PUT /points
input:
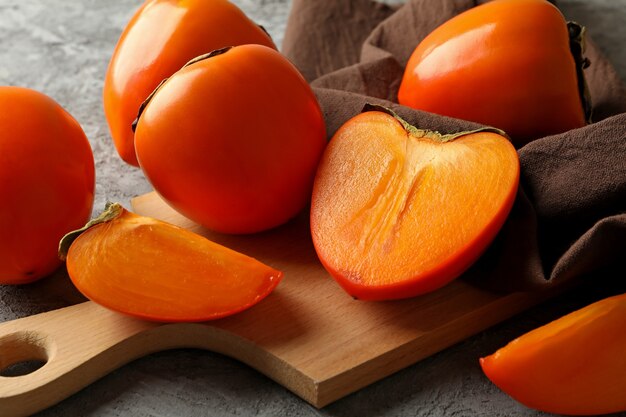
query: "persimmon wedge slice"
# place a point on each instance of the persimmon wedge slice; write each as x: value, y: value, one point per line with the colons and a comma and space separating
x: 397, y: 211
x: 154, y: 270
x: 575, y: 365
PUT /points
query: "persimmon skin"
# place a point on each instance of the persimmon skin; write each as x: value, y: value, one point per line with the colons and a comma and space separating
x: 394, y: 216
x: 574, y: 365
x: 159, y: 39
x: 506, y: 63
x: 146, y: 268
x: 47, y: 180
x: 232, y: 141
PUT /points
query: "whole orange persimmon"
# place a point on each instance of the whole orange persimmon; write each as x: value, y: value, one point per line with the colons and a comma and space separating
x: 159, y: 39
x: 506, y: 63
x: 233, y: 139
x: 47, y: 181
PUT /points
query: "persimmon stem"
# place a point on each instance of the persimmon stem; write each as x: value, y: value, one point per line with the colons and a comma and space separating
x: 211, y: 54
x: 143, y: 105
x: 429, y: 134
x: 111, y: 211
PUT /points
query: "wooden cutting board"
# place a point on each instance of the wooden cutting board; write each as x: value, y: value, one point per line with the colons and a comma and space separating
x: 308, y: 335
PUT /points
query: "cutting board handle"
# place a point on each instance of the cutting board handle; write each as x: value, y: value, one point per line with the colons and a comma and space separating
x: 82, y: 343
x: 78, y: 345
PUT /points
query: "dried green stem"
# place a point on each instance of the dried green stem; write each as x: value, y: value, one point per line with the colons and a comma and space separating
x: 430, y: 134
x: 111, y: 211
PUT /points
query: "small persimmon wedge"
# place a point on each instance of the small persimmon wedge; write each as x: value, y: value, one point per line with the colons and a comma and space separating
x: 157, y: 271
x: 397, y: 211
x: 575, y: 365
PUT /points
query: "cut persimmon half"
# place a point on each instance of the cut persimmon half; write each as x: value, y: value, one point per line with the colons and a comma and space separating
x: 397, y: 211
x: 157, y: 271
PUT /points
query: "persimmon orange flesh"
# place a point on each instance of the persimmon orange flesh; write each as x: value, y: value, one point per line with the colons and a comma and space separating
x: 398, y: 211
x: 153, y: 270
x: 575, y: 365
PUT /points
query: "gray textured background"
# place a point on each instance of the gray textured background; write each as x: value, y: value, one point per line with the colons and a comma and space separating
x: 61, y: 48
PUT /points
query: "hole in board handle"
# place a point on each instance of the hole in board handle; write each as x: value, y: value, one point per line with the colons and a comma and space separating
x: 22, y: 353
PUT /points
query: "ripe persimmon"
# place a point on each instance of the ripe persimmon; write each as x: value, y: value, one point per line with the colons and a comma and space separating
x: 233, y: 139
x: 47, y: 180
x: 397, y: 211
x: 159, y: 39
x: 574, y: 365
x: 505, y: 63
x: 154, y: 270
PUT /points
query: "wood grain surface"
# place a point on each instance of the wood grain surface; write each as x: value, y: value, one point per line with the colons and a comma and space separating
x: 308, y: 335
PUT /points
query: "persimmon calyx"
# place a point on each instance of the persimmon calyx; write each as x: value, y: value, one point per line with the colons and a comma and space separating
x: 577, y: 35
x: 266, y: 32
x: 211, y: 54
x: 430, y: 134
x: 111, y: 211
x: 199, y: 58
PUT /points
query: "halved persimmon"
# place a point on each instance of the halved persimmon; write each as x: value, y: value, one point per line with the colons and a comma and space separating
x: 575, y: 365
x: 397, y: 211
x: 154, y: 270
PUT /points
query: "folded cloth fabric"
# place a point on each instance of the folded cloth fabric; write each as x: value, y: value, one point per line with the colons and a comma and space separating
x: 569, y: 219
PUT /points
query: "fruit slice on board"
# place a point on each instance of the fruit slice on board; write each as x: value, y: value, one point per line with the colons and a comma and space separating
x: 153, y: 270
x: 575, y: 365
x: 397, y: 211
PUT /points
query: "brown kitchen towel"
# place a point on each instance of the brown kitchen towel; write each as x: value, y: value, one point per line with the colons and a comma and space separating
x: 569, y: 219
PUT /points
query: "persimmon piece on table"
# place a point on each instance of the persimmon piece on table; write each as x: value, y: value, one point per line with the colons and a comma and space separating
x: 398, y: 211
x: 575, y: 365
x: 153, y: 270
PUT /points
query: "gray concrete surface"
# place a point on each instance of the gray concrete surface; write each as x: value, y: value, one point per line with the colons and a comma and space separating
x: 62, y: 47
